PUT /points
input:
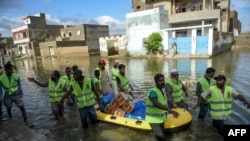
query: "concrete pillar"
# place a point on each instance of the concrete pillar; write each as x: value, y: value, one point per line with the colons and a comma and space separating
x: 210, y: 40
x: 173, y: 7
x: 204, y: 5
x: 202, y: 29
x: 165, y: 40
x: 173, y: 34
x: 193, y: 42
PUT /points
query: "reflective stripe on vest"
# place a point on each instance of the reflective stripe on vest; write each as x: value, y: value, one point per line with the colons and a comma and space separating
x: 115, y: 73
x: 154, y: 114
x: 10, y: 86
x: 67, y: 80
x: 85, y: 96
x: 177, y: 92
x: 100, y: 86
x: 124, y: 83
x: 204, y: 83
x: 220, y: 104
x: 56, y: 91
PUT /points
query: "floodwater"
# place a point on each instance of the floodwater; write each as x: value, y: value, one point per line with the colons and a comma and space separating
x: 234, y: 64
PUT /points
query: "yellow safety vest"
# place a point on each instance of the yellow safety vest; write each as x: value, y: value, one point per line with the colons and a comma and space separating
x: 85, y: 96
x: 154, y: 114
x: 10, y: 86
x: 221, y: 104
x: 177, y: 92
x: 56, y: 91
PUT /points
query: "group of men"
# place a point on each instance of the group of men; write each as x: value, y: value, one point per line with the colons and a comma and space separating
x: 85, y: 91
x: 212, y: 92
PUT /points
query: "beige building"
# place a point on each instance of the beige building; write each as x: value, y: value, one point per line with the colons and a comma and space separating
x: 235, y: 24
x: 183, y: 13
x: 80, y: 40
x: 34, y: 30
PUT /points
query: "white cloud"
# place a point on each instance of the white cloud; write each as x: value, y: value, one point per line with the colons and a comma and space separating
x: 7, y: 22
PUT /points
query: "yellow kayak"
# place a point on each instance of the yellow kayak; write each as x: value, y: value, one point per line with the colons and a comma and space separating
x: 171, y: 124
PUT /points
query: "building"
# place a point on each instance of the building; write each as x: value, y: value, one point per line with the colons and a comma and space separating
x: 34, y: 30
x: 113, y: 45
x: 6, y: 49
x: 198, y: 27
x: 235, y: 24
x: 80, y: 40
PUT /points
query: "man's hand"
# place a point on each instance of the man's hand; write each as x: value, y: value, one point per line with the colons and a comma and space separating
x: 175, y: 114
x: 31, y: 79
x: 195, y: 106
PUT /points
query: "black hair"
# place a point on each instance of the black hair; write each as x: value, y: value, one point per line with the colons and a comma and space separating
x: 158, y: 76
x: 97, y: 73
x: 8, y: 65
x: 210, y: 70
x: 74, y: 67
x: 121, y: 66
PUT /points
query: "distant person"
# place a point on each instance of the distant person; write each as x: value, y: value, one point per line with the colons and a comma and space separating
x: 174, y: 49
x: 97, y: 83
x: 13, y: 93
x: 220, y: 98
x: 104, y: 77
x: 1, y: 98
x: 156, y: 107
x: 85, y: 93
x: 123, y: 82
x: 114, y: 73
x: 74, y: 68
x: 68, y: 78
x: 57, y: 88
x: 175, y: 90
x: 203, y: 84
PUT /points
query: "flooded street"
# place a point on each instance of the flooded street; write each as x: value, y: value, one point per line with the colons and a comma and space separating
x: 234, y: 64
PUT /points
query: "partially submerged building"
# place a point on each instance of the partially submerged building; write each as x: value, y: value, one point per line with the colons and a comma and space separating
x: 198, y: 27
x: 34, y: 31
x: 80, y: 40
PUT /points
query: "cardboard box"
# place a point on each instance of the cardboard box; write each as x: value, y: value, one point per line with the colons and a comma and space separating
x: 119, y: 112
x: 109, y: 109
x: 120, y: 99
x: 128, y: 107
x: 126, y: 96
x: 114, y: 103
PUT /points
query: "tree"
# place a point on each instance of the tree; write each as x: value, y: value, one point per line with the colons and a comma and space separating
x: 153, y: 43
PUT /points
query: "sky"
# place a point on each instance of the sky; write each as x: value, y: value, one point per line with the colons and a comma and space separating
x: 75, y: 12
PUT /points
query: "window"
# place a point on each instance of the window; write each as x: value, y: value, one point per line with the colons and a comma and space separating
x: 181, y: 33
x: 24, y: 35
x: 70, y: 34
x: 180, y: 7
x: 138, y: 7
x: 199, y: 33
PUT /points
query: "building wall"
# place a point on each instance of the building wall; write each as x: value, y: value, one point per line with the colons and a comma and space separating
x: 242, y: 41
x: 113, y: 45
x: 140, y: 25
x: 222, y: 41
x: 63, y: 49
x: 73, y: 33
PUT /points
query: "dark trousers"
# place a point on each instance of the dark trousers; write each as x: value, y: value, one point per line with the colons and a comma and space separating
x: 158, y: 130
x: 87, y: 112
x: 203, y: 110
x: 219, y: 125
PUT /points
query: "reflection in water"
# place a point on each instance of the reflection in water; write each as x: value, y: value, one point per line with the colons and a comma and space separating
x: 235, y: 65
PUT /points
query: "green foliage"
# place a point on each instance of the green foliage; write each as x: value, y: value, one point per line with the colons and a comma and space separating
x: 153, y: 43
